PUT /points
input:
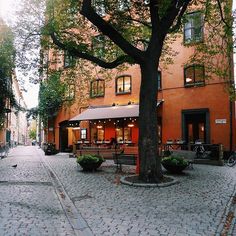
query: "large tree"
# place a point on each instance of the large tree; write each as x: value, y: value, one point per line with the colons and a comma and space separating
x: 109, y: 33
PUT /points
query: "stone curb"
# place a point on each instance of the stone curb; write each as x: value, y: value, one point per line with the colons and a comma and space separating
x: 147, y: 185
x: 230, y: 207
x: 76, y: 220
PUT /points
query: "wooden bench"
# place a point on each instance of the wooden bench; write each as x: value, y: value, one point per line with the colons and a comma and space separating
x: 127, y: 157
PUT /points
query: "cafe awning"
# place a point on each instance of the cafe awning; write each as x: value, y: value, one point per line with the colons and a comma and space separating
x: 111, y: 112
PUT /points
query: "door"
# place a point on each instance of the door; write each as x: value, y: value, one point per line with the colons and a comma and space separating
x: 195, y: 125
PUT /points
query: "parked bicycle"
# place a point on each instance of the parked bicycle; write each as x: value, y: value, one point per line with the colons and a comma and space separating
x: 232, y: 160
x: 4, y: 150
x: 200, y: 151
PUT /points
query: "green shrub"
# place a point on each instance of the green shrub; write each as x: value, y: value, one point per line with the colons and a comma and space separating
x: 89, y: 159
x: 174, y: 161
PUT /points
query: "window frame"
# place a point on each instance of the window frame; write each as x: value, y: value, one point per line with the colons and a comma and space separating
x: 97, y: 86
x: 123, y: 92
x: 69, y: 60
x: 83, y: 136
x: 193, y: 28
x: 70, y: 91
x: 194, y: 83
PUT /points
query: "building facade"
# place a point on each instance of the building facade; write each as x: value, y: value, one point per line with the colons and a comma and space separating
x: 191, y: 106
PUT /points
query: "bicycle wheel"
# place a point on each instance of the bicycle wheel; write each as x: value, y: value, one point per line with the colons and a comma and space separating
x: 232, y: 160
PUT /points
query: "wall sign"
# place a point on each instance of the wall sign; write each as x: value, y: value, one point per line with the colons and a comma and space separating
x: 220, y: 121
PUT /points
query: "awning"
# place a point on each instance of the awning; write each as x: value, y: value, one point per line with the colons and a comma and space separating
x: 112, y: 112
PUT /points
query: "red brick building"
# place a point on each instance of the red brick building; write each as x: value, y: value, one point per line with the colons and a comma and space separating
x: 190, y: 107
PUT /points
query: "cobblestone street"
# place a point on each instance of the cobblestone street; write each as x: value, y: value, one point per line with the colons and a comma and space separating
x: 50, y: 195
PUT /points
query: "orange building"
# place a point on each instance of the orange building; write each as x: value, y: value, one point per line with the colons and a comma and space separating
x: 190, y: 107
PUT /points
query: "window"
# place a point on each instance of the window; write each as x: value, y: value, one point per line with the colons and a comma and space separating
x: 70, y: 91
x: 194, y: 75
x: 69, y: 60
x: 83, y: 134
x: 97, y: 88
x: 193, y: 28
x: 159, y: 80
x: 98, y: 44
x: 123, y: 84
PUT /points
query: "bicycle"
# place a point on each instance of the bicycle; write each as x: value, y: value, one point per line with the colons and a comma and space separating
x: 232, y: 160
x: 200, y: 151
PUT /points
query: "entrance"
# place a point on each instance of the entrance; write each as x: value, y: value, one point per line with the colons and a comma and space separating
x: 63, y: 136
x: 195, y: 125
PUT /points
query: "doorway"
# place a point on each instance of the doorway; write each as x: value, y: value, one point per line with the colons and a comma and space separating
x: 196, y: 125
x: 63, y: 136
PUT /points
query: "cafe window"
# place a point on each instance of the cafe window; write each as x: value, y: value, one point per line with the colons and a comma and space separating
x: 123, y: 84
x: 123, y: 134
x: 83, y: 133
x: 194, y: 75
x: 97, y: 88
x: 193, y: 27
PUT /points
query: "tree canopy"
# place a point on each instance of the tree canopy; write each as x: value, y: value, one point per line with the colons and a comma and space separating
x: 7, y: 52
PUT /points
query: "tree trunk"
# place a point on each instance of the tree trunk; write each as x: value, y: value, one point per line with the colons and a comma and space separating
x: 150, y: 162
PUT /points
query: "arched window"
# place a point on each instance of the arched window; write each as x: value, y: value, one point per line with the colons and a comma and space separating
x: 97, y: 88
x: 123, y: 84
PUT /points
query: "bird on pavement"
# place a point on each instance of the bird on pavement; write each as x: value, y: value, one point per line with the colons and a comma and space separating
x: 14, y: 166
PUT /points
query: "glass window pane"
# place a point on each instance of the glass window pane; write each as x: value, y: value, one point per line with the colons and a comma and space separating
x: 127, y: 134
x: 127, y: 81
x: 189, y: 75
x: 199, y: 73
x: 120, y: 85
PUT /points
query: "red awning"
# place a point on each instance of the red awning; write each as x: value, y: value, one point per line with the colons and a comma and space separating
x: 111, y: 112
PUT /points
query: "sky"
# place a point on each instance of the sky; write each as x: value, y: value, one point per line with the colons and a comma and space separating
x: 7, y: 9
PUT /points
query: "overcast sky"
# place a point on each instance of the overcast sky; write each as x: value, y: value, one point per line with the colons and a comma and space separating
x: 7, y: 9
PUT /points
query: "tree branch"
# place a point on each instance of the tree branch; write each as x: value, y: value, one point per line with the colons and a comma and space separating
x: 222, y: 15
x: 88, y: 12
x: 176, y: 27
x: 172, y: 12
x: 75, y: 52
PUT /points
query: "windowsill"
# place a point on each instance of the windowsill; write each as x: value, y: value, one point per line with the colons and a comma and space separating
x: 97, y: 96
x: 193, y: 42
x: 197, y: 84
x: 122, y: 93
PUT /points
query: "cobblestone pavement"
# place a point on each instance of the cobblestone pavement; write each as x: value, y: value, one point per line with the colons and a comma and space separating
x: 200, y: 204
x: 29, y: 204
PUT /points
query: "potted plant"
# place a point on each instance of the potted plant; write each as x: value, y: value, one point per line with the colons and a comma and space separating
x: 90, y: 162
x: 50, y: 149
x: 174, y: 164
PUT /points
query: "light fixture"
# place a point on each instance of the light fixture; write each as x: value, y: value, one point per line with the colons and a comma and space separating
x: 130, y: 125
x: 188, y: 80
x: 99, y: 126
